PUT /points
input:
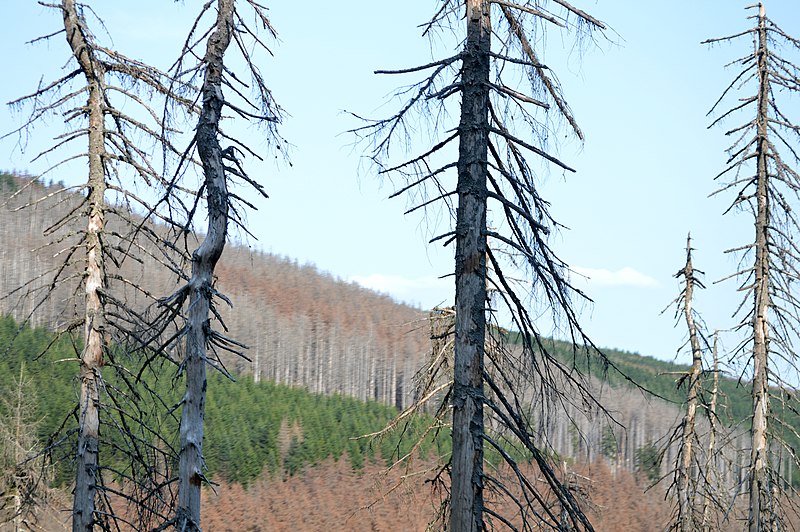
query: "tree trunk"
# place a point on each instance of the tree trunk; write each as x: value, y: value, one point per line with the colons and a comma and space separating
x: 686, y: 495
x: 711, y: 460
x: 470, y: 269
x: 94, y: 281
x: 204, y: 260
x: 759, y: 495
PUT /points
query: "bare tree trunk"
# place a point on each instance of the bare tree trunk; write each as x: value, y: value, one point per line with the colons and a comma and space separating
x: 468, y: 395
x: 686, y: 494
x: 712, y: 441
x: 92, y: 356
x: 204, y: 260
x: 21, y: 406
x: 769, y: 195
x: 511, y: 185
x: 759, y: 495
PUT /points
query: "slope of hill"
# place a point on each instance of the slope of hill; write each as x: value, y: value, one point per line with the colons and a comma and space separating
x: 306, y: 329
x: 251, y: 428
x: 285, y: 458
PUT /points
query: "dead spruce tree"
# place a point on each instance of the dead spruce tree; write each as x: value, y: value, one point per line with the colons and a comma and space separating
x: 109, y: 101
x: 491, y: 170
x: 690, y: 474
x: 766, y: 184
x: 711, y: 503
x: 221, y: 89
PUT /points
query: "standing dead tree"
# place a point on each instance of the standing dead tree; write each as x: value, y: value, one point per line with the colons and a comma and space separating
x: 109, y: 101
x: 766, y: 185
x: 491, y: 170
x: 691, y: 474
x: 710, y: 501
x: 198, y: 341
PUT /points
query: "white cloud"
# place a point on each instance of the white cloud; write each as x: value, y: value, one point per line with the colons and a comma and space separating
x: 626, y: 276
x: 429, y: 291
x: 426, y: 291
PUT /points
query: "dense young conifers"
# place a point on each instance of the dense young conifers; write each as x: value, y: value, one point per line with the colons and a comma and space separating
x: 491, y: 170
x: 766, y: 184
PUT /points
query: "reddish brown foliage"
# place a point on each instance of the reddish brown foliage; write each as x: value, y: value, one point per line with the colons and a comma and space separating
x: 620, y: 503
x: 333, y: 497
x: 328, y: 497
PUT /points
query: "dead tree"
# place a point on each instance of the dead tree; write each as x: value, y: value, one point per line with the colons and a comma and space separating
x: 197, y: 339
x: 491, y: 170
x: 116, y: 231
x: 690, y: 473
x: 713, y: 477
x: 765, y: 184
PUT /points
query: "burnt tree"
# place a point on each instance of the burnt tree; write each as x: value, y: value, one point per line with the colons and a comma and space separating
x: 497, y: 386
x: 197, y: 341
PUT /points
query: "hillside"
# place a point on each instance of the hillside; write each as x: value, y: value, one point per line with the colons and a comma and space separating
x: 286, y: 458
x: 329, y: 360
x: 251, y: 428
x: 308, y: 329
x: 304, y: 327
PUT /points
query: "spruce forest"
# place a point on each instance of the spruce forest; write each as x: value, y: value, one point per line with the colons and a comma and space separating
x: 160, y: 371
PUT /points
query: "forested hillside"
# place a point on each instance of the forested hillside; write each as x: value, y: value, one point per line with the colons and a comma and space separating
x: 308, y: 330
x: 303, y: 327
x: 305, y: 451
x: 253, y: 428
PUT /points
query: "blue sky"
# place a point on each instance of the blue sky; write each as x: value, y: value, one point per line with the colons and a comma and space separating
x: 643, y: 175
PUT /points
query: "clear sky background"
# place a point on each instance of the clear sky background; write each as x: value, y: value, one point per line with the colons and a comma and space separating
x: 643, y: 175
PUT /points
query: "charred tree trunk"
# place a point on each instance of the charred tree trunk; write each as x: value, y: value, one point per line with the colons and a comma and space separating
x: 468, y: 395
x: 487, y: 386
x: 204, y: 260
x: 759, y: 491
x: 91, y: 362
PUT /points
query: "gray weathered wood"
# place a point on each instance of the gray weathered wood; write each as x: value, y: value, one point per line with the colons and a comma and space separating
x: 759, y: 489
x: 92, y: 356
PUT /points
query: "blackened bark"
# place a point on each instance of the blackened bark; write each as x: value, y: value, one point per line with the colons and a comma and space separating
x: 204, y: 260
x: 468, y: 394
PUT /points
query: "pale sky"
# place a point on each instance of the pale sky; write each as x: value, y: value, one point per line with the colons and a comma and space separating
x: 643, y: 175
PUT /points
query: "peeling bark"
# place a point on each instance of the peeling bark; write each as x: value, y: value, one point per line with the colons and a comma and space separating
x: 685, y: 488
x: 770, y: 192
x: 92, y: 356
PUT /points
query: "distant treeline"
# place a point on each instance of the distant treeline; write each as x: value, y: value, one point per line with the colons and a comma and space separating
x: 631, y: 387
